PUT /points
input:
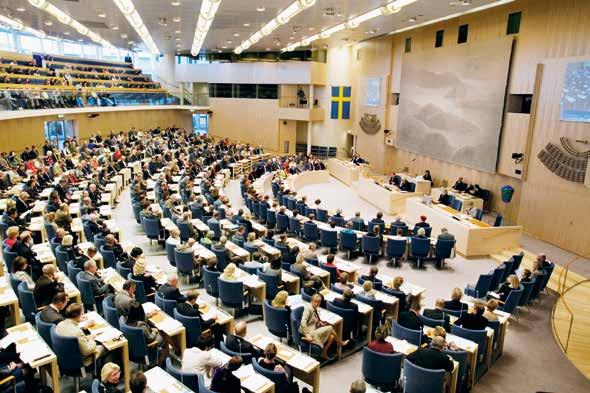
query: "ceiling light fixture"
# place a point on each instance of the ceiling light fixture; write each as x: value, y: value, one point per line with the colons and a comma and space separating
x: 66, y: 33
x: 388, y: 9
x: 102, y: 15
x: 282, y: 18
x: 128, y: 9
x: 260, y: 9
x: 177, y: 32
x: 21, y: 9
x: 206, y: 16
x: 68, y: 20
x: 123, y: 36
x: 48, y: 23
x: 246, y: 24
x: 177, y: 19
x: 16, y: 24
x: 115, y: 27
x: 175, y: 3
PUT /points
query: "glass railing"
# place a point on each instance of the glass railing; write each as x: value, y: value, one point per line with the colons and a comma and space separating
x: 298, y: 102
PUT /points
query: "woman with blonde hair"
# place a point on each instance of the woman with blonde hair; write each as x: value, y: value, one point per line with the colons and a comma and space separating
x: 511, y: 284
x: 229, y: 272
x: 491, y: 306
x: 368, y: 290
x: 280, y: 300
x: 316, y: 331
x: 149, y: 282
x: 455, y: 302
x: 109, y: 378
x: 11, y: 236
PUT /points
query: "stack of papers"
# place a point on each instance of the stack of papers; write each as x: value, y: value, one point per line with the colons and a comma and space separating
x: 401, y: 346
x: 33, y: 350
x: 328, y: 316
x: 295, y: 301
x: 108, y: 334
x: 149, y: 308
x: 250, y: 281
x: 220, y: 356
x: 301, y: 361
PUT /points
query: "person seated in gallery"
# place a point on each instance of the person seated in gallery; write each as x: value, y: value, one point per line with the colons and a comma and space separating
x: 405, y: 185
x: 444, y: 198
x: 427, y: 175
x: 460, y: 185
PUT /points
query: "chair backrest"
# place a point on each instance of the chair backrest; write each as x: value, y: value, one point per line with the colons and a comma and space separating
x: 348, y: 241
x: 339, y: 221
x: 547, y: 276
x: 110, y: 312
x: 477, y: 336
x: 122, y: 270
x: 322, y: 215
x: 527, y: 290
x: 371, y: 244
x: 348, y: 317
x: 246, y: 356
x: 271, y: 218
x: 27, y: 302
x: 44, y: 329
x: 210, y: 281
x: 184, y: 230
x: 151, y: 227
x: 136, y: 339
x: 272, y: 282
x: 457, y: 204
x: 8, y: 257
x: 108, y: 258
x: 276, y: 320
x: 330, y: 269
x: 202, y: 387
x: 231, y: 293
x: 14, y: 282
x: 507, y: 270
x: 188, y: 379
x: 192, y: 326
x: 497, y: 277
x: 48, y: 230
x: 400, y: 295
x: 381, y: 369
x: 375, y: 303
x: 395, y: 248
x: 512, y: 300
x: 411, y: 336
x: 419, y: 247
x: 98, y: 240
x: 422, y: 380
x: 461, y: 357
x: 294, y: 225
x: 216, y: 228
x: 517, y: 259
x: 73, y: 271
x: 168, y: 306
x: 328, y: 238
x: 444, y: 248
x: 184, y: 262
x: 539, y: 280
x: 431, y: 322
x: 478, y: 214
x: 68, y: 353
x: 85, y: 290
x: 221, y: 258
x: 62, y: 258
x: 87, y: 230
x: 278, y: 378
x: 282, y: 222
x: 140, y: 294
x: 483, y: 285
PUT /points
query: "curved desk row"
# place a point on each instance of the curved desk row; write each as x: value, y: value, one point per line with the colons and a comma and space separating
x: 390, y: 201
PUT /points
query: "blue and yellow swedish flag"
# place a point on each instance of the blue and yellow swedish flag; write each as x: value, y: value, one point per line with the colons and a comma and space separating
x: 341, y: 102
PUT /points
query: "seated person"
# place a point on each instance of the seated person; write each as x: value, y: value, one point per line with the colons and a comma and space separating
x: 90, y: 273
x: 438, y: 313
x: 299, y: 268
x: 445, y: 235
x: 526, y: 276
x: 20, y: 267
x: 170, y: 290
x: 431, y: 357
x: 368, y: 291
x: 135, y: 254
x: 238, y: 237
x: 511, y: 284
x: 314, y: 286
x: 311, y: 253
x: 330, y: 263
x: 316, y: 331
x: 150, y: 285
x: 174, y: 237
x: 460, y: 185
x: 229, y: 273
x: 137, y: 318
x: 439, y: 331
x: 406, y: 185
x: 372, y: 276
x: 207, y: 240
x: 269, y: 362
x: 444, y: 198
x: 410, y: 319
x: 73, y: 326
x: 358, y: 386
x: 343, y: 283
x: 420, y: 233
x: 346, y: 302
x: 125, y: 297
x: 427, y: 175
x: 53, y: 313
x: 396, y: 290
x: 187, y: 248
x: 47, y: 286
x: 236, y: 342
x: 280, y: 300
x: 422, y: 223
x: 190, y: 308
x: 273, y: 267
x: 111, y: 244
x: 455, y: 303
x: 110, y: 374
x: 473, y: 320
x: 491, y: 306
x: 379, y: 344
x: 138, y: 382
x: 224, y: 381
x: 200, y: 360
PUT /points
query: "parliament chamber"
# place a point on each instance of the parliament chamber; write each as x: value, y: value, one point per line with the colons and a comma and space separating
x: 294, y: 196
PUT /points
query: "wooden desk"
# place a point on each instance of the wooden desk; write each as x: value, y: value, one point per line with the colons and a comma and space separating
x: 346, y: 172
x: 473, y: 237
x: 390, y: 303
x: 237, y: 251
x: 35, y: 352
x: 390, y: 201
x: 120, y: 342
x: 44, y: 253
x: 305, y: 368
x: 159, y: 381
x: 407, y: 287
x: 210, y: 311
x: 468, y: 200
x: 295, y: 182
x: 364, y: 309
x: 256, y: 286
x: 267, y: 249
x: 203, y: 252
x: 9, y: 299
x: 166, y: 324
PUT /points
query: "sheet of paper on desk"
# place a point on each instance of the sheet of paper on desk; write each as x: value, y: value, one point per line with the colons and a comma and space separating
x: 220, y: 356
x: 254, y: 382
x: 295, y: 301
x: 33, y: 350
x: 168, y: 325
x: 263, y: 341
x: 461, y: 342
x: 494, y: 294
x: 301, y: 362
x: 250, y: 281
x: 149, y: 307
x: 211, y: 314
x: 328, y: 316
x: 244, y: 371
x: 108, y: 334
x: 6, y: 341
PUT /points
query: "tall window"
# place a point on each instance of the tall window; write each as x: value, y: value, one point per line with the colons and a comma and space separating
x: 58, y: 131
x: 50, y: 46
x: 111, y: 54
x: 72, y: 49
x: 438, y: 40
x: 6, y: 41
x: 30, y: 44
x: 513, y: 23
x: 408, y: 47
x: 91, y: 51
x: 463, y: 31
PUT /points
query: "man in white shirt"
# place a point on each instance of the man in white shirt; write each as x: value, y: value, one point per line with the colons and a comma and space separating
x: 199, y: 361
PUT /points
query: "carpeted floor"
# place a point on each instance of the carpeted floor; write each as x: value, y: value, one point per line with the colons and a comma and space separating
x: 531, y: 361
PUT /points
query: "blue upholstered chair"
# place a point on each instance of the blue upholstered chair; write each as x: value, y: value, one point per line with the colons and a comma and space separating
x: 188, y: 379
x: 231, y: 294
x: 210, y: 282
x: 382, y: 370
x: 192, y: 326
x: 246, y: 356
x: 276, y: 320
x: 419, y: 249
x: 371, y: 246
x: 422, y: 380
x: 411, y: 336
x: 348, y: 242
x: 395, y: 250
x: 443, y: 250
x: 481, y: 288
x: 68, y: 356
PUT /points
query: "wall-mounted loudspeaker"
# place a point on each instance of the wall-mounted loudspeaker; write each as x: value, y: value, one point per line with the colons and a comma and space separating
x: 93, y: 115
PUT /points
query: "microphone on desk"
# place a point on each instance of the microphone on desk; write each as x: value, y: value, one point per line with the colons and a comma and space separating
x: 287, y: 327
x: 240, y: 346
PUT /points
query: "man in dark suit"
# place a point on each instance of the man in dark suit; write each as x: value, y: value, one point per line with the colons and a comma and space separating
x: 47, y: 286
x: 190, y: 308
x: 99, y: 288
x: 53, y: 312
x: 346, y: 302
x: 455, y: 302
x: 444, y: 198
x: 170, y: 290
x: 372, y: 276
x: 411, y: 320
x: 460, y: 185
x: 437, y: 313
x: 473, y: 320
x: 22, y: 248
x: 432, y: 357
x: 237, y: 343
x: 10, y: 218
x: 111, y: 244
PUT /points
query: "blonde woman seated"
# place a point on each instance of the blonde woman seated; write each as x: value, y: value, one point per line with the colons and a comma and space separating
x: 316, y: 331
x: 440, y: 331
x: 368, y: 291
x: 491, y: 306
x: 280, y: 300
x: 342, y: 283
x: 511, y: 284
x: 229, y: 273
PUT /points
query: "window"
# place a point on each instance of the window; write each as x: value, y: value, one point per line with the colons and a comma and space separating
x: 408, y: 48
x: 60, y: 130
x: 110, y: 54
x: 513, y: 23
x: 246, y: 91
x: 90, y: 51
x: 72, y: 49
x: 463, y: 30
x: 201, y: 124
x: 438, y: 40
x: 50, y: 46
x: 6, y: 41
x: 30, y: 44
x: 222, y: 90
x: 268, y: 92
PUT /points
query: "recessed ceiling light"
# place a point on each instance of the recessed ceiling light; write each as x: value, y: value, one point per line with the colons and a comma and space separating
x: 224, y: 47
x: 311, y: 29
x: 130, y: 42
x: 48, y: 23
x: 291, y: 38
x: 21, y: 9
x: 178, y: 39
x: 246, y: 24
x: 175, y: 3
x: 267, y: 48
x: 115, y: 27
x: 178, y: 45
x: 236, y: 34
x: 102, y: 15
x: 66, y: 33
x: 123, y: 35
x: 412, y: 19
x: 230, y: 42
x: 177, y: 19
x: 177, y: 32
x: 80, y: 40
x: 260, y: 9
x: 219, y: 51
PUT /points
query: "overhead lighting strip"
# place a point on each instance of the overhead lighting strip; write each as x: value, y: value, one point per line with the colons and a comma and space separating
x: 283, y: 18
x: 390, y: 8
x: 68, y: 20
x: 206, y: 16
x: 128, y: 9
x: 16, y: 24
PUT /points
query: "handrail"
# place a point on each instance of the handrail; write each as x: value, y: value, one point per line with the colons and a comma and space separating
x: 561, y: 291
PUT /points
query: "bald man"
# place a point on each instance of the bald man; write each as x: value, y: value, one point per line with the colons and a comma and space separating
x: 237, y: 343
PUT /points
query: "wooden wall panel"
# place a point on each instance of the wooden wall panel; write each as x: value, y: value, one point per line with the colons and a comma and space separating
x: 512, y: 140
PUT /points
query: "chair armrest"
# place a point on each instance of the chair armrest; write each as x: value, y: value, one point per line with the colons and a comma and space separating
x: 153, y: 344
x: 8, y: 379
x: 206, y: 331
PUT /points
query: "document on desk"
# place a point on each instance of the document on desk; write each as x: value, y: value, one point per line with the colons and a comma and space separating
x: 301, y: 361
x: 254, y: 382
x: 150, y: 308
x: 33, y: 350
x: 329, y: 317
x: 401, y: 346
x: 462, y: 342
x: 108, y: 334
x: 294, y: 301
x: 262, y: 341
x: 220, y: 356
x: 250, y: 281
